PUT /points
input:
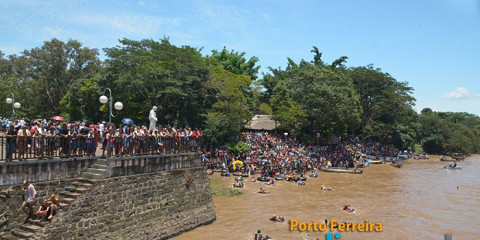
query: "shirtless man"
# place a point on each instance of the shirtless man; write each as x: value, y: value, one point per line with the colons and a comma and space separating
x: 54, y: 205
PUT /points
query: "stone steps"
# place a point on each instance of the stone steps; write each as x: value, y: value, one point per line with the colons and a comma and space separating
x: 69, y: 194
x: 101, y: 161
x: 28, y: 227
x: 10, y: 237
x: 86, y: 181
x: 91, y: 175
x: 97, y: 170
x: 37, y: 223
x: 79, y: 189
x: 22, y: 234
x: 67, y: 200
x: 78, y: 184
x: 100, y: 166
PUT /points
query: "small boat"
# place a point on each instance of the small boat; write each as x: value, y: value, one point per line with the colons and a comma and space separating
x: 342, y: 170
x: 449, y: 159
x: 450, y: 166
x: 397, y: 165
x: 240, y: 174
x: 458, y: 156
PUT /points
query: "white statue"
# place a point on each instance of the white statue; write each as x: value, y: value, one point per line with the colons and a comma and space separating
x: 153, y: 118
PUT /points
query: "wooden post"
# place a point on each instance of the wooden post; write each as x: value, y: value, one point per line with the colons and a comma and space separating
x: 448, y: 236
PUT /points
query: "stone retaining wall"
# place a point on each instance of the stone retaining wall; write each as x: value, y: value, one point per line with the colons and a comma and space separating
x: 13, y: 173
x: 124, y: 166
x: 11, y: 198
x: 156, y: 205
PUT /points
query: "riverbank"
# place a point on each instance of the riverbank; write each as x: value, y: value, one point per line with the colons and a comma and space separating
x: 419, y: 201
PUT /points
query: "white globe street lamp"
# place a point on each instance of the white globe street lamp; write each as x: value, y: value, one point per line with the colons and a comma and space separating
x: 118, y: 106
x: 14, y: 105
x: 104, y: 99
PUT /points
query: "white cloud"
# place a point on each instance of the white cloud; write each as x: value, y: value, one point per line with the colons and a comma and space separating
x: 459, y: 93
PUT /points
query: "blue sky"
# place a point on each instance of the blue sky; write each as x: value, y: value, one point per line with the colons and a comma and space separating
x: 432, y: 45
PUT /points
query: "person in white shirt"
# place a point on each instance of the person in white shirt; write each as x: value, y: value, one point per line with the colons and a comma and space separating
x: 27, y: 205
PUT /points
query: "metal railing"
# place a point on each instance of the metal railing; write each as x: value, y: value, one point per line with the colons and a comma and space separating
x: 46, y: 147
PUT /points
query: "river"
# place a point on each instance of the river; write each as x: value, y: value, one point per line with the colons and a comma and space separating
x: 419, y: 201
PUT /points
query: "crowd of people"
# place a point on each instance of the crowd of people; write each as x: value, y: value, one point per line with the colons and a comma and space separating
x: 276, y: 154
x: 41, y: 138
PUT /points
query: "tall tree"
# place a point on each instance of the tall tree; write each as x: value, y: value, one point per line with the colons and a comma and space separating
x: 229, y: 113
x: 384, y: 101
x: 236, y: 62
x: 148, y: 73
x: 52, y: 69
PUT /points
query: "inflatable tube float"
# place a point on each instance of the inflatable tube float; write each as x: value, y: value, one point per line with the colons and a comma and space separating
x: 300, y: 183
x: 240, y: 174
x: 237, y: 163
x: 302, y: 178
x: 280, y: 177
x: 313, y: 175
x: 452, y: 167
x: 225, y: 174
x: 263, y: 179
x: 239, y: 178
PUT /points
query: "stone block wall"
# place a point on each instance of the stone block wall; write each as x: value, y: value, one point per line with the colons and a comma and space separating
x: 13, y: 173
x: 124, y: 166
x: 11, y: 198
x: 156, y: 205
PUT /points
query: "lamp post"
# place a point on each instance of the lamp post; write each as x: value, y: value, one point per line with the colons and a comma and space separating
x: 118, y: 105
x: 14, y: 105
x: 286, y: 134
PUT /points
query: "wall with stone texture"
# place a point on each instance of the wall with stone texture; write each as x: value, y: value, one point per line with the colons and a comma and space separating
x: 11, y: 198
x: 123, y: 166
x: 13, y: 173
x: 155, y: 205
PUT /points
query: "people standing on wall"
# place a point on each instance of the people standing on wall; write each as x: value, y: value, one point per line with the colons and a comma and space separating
x: 27, y: 205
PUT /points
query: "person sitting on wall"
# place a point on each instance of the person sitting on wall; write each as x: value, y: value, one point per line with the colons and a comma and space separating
x: 54, y: 204
x: 43, y: 211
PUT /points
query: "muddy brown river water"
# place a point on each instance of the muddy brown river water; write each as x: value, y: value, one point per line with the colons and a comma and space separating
x: 419, y: 201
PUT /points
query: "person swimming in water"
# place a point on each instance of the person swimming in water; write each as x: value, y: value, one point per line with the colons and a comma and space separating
x: 262, y: 191
x: 348, y: 209
x: 276, y: 218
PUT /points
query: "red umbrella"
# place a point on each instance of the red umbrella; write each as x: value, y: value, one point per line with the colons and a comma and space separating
x: 91, y: 126
x: 33, y: 129
x: 58, y: 118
